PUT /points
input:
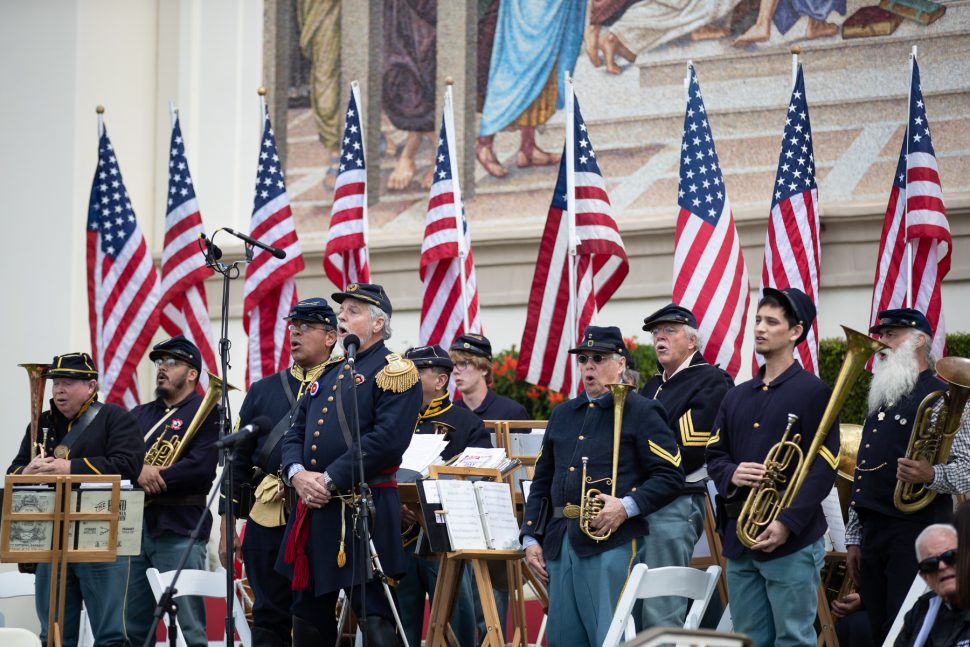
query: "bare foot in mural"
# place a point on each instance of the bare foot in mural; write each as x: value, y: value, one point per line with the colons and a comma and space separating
x: 709, y: 32
x: 427, y: 179
x: 820, y: 28
x: 486, y: 157
x: 591, y: 42
x: 611, y: 46
x: 757, y: 34
x: 531, y: 155
x: 403, y: 171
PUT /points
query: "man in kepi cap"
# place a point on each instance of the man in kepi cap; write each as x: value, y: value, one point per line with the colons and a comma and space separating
x: 462, y: 429
x: 772, y: 585
x: 258, y: 491
x: 472, y: 355
x: 324, y: 550
x: 585, y: 576
x: 83, y: 436
x: 691, y: 391
x: 175, y: 491
x: 879, y: 536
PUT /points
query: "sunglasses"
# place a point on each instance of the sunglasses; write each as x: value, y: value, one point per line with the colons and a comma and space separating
x: 932, y: 564
x: 597, y: 359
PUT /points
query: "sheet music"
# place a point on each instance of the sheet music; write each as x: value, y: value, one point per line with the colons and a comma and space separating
x: 431, y: 493
x: 422, y: 451
x: 498, y: 515
x: 463, y: 519
x: 489, y: 457
x: 526, y: 486
x: 93, y: 534
x: 31, y: 535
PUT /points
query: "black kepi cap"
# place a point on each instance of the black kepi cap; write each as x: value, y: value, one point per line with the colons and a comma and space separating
x: 313, y: 309
x: 77, y: 366
x: 428, y: 356
x: 902, y: 318
x: 474, y: 344
x: 799, y: 304
x: 670, y: 313
x: 605, y: 339
x: 371, y: 293
x: 180, y: 348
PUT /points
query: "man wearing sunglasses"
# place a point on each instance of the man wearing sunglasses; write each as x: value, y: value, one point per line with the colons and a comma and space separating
x: 258, y: 492
x: 935, y: 620
x: 585, y: 575
x: 877, y: 533
x: 176, y: 492
x: 691, y: 391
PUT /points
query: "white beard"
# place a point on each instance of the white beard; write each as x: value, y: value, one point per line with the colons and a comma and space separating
x: 895, y: 376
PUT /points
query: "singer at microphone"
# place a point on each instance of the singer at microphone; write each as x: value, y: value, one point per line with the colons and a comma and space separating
x: 261, y: 423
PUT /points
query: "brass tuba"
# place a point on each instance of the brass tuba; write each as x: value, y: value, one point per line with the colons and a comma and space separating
x: 165, y: 452
x: 35, y: 373
x: 589, y: 504
x: 932, y: 440
x: 760, y: 510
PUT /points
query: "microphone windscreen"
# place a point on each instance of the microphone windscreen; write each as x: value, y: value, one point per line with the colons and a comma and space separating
x: 351, y: 340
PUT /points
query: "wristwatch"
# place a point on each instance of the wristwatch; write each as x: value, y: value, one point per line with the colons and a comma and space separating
x: 328, y: 482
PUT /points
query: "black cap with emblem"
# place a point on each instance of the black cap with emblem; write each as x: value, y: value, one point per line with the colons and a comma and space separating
x: 428, y: 356
x: 371, y: 293
x: 670, y: 313
x: 902, y: 318
x: 77, y: 366
x: 180, y: 348
x: 605, y: 339
x: 474, y: 344
x: 313, y: 309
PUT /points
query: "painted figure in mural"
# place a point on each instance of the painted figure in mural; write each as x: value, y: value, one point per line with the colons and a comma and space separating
x: 536, y: 43
x: 319, y: 22
x: 785, y: 13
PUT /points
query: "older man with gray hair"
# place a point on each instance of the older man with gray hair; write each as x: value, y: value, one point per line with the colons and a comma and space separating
x: 691, y: 391
x: 878, y: 534
x: 935, y: 620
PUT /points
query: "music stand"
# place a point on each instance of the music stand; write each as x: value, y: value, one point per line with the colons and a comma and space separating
x: 55, y: 547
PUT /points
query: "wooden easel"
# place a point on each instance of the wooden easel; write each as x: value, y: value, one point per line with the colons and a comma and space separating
x: 451, y: 566
x: 60, y: 553
x: 714, y: 545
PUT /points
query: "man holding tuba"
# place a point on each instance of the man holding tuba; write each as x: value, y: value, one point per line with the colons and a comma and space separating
x: 180, y: 431
x: 880, y: 536
x: 774, y: 575
x: 607, y: 462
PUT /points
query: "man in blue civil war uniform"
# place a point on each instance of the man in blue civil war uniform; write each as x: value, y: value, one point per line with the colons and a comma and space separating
x: 462, y: 429
x: 175, y: 490
x: 322, y: 551
x: 772, y: 586
x: 83, y: 436
x: 879, y: 536
x: 580, y: 435
x: 472, y: 355
x: 258, y: 489
x: 691, y: 390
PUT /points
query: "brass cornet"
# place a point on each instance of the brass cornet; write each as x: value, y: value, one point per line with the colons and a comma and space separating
x: 164, y: 452
x: 590, y: 504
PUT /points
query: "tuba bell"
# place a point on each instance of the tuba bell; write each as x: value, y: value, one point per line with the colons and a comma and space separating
x: 759, y: 509
x: 931, y: 439
x: 165, y: 452
x: 590, y: 505
x: 35, y: 374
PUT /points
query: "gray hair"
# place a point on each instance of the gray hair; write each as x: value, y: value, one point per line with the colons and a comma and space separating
x: 375, y: 314
x: 696, y: 334
x: 632, y: 378
x: 930, y: 530
x: 927, y: 347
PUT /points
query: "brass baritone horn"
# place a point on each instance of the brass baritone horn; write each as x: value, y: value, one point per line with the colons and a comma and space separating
x: 165, y: 452
x: 759, y: 511
x: 589, y: 503
x: 35, y: 373
x: 932, y: 439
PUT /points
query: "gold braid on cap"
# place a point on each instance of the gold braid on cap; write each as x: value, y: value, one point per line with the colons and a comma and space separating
x: 398, y: 376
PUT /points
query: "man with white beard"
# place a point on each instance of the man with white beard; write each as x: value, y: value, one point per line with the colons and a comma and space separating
x: 880, y: 537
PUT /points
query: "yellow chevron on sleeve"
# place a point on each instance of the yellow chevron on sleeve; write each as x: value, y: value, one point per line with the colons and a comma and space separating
x: 673, y: 459
x: 833, y: 461
x: 689, y: 437
x: 715, y: 437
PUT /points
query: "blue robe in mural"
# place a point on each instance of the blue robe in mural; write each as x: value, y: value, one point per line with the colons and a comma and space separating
x: 789, y: 11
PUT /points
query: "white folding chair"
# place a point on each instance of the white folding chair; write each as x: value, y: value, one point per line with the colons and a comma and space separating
x: 14, y: 584
x: 209, y: 584
x: 918, y: 588
x: 726, y: 623
x: 646, y: 582
x: 11, y: 637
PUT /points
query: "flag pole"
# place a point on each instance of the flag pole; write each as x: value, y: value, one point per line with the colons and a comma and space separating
x: 173, y: 112
x: 355, y: 90
x: 907, y: 242
x: 571, y: 220
x: 100, y: 111
x: 795, y: 51
x: 449, y: 117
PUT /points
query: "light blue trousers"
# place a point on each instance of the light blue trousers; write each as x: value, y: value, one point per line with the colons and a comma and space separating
x: 775, y: 601
x: 583, y: 593
x: 674, y: 530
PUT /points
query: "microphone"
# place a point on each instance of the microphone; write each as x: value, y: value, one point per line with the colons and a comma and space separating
x: 211, y: 249
x: 351, y: 344
x: 261, y: 423
x: 275, y: 251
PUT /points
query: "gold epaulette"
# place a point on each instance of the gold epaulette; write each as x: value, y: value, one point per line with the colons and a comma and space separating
x: 398, y: 376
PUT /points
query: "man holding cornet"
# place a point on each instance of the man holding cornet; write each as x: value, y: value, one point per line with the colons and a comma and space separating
x: 772, y: 532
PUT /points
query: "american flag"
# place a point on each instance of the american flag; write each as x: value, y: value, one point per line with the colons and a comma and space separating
x: 601, y: 264
x: 449, y: 294
x: 345, y: 258
x: 710, y: 277
x: 792, y: 244
x: 183, y: 305
x: 915, y: 214
x: 123, y: 287
x: 270, y: 289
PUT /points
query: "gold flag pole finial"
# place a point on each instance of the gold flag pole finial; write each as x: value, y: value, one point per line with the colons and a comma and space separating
x: 99, y: 110
x: 261, y: 91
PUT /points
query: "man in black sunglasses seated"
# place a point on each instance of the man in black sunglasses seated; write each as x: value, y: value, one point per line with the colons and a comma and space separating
x: 585, y: 569
x: 935, y: 620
